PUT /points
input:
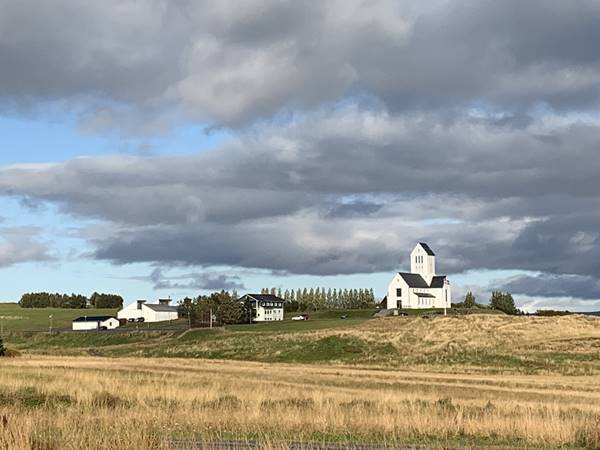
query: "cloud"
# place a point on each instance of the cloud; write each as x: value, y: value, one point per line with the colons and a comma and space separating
x: 195, y: 281
x: 228, y: 64
x: 358, y: 129
x: 487, y: 195
x: 561, y: 286
x: 21, y: 244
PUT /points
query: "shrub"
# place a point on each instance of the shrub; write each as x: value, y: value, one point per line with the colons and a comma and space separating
x: 107, y: 400
x: 588, y: 436
x: 2, y: 348
x: 225, y: 402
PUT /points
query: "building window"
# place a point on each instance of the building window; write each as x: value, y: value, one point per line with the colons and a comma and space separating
x: 399, y: 292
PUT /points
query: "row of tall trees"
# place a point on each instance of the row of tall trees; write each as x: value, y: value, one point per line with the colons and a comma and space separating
x: 73, y: 301
x: 321, y: 298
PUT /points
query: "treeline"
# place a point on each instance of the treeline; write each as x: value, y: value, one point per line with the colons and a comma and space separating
x: 500, y: 301
x: 225, y: 307
x: 316, y: 299
x: 106, y: 300
x: 72, y: 301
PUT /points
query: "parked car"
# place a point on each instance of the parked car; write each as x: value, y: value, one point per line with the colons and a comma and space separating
x: 344, y: 316
x: 300, y: 317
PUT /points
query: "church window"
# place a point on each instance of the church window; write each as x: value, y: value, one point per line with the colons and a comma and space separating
x: 399, y: 292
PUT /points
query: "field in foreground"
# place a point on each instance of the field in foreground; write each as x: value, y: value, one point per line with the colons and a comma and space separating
x: 568, y: 345
x: 140, y: 403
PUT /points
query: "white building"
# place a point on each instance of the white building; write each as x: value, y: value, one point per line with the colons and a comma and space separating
x: 264, y: 307
x: 87, y: 323
x: 148, y: 312
x: 421, y: 288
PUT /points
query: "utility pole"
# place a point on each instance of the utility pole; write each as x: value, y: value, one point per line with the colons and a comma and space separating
x: 50, y: 325
x: 211, y: 317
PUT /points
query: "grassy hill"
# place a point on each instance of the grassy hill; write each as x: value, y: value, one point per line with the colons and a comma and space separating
x: 15, y: 318
x: 473, y: 343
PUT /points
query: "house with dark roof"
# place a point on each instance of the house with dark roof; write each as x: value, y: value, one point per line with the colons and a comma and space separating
x: 421, y: 288
x: 149, y: 312
x: 263, y: 307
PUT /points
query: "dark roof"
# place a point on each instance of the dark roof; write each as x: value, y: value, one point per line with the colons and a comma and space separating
x: 422, y: 294
x: 427, y: 249
x: 92, y: 318
x: 161, y: 308
x: 265, y: 297
x: 414, y: 280
x: 383, y: 302
x: 437, y: 282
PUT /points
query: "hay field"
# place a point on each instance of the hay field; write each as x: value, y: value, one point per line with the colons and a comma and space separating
x: 140, y: 403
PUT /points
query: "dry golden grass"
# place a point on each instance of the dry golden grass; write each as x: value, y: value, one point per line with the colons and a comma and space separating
x: 85, y: 403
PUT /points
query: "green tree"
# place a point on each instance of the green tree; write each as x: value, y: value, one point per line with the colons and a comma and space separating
x: 187, y: 308
x: 469, y: 300
x: 503, y: 301
x: 106, y: 300
x: 225, y: 308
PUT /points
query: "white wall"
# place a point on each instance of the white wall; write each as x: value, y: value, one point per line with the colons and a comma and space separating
x: 130, y: 312
x: 393, y: 301
x: 157, y: 316
x: 110, y: 324
x: 422, y: 263
x: 84, y: 326
x: 268, y: 314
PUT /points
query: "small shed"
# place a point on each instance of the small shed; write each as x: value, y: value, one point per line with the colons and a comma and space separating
x: 86, y: 323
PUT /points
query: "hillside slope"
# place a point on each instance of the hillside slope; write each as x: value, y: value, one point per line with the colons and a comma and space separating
x: 490, y: 343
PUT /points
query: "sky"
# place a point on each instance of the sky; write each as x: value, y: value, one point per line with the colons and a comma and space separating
x: 158, y: 148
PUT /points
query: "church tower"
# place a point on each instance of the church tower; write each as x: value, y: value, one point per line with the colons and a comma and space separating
x: 422, y: 261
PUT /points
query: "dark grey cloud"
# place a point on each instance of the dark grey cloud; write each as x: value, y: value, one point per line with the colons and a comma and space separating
x: 562, y: 286
x: 22, y: 244
x: 228, y: 64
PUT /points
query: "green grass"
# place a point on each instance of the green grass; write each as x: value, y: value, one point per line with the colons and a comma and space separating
x: 317, y: 321
x: 15, y: 318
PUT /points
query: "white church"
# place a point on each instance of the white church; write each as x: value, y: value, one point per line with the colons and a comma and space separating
x: 421, y: 288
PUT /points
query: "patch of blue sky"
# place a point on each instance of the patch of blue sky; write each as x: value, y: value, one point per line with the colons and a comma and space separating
x: 35, y: 140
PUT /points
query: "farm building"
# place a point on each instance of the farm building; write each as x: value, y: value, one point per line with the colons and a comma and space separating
x: 148, y: 312
x: 87, y: 323
x: 264, y: 307
x: 420, y: 288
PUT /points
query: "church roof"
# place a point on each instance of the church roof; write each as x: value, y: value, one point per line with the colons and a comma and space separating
x: 415, y: 280
x: 427, y: 248
x: 438, y: 281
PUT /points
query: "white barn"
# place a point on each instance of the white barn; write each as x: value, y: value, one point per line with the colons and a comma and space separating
x: 87, y: 323
x: 420, y: 288
x: 148, y: 312
x: 264, y: 307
